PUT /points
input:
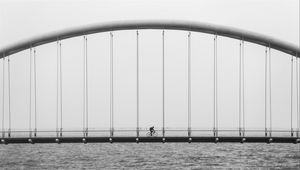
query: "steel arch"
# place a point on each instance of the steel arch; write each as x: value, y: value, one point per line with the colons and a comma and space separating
x: 154, y: 24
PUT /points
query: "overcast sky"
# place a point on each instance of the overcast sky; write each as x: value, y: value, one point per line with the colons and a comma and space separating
x: 24, y: 19
x: 20, y: 20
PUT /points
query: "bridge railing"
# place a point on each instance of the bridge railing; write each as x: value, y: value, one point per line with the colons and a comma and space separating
x: 144, y: 133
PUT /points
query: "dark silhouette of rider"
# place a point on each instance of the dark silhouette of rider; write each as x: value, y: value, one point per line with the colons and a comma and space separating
x: 151, y: 129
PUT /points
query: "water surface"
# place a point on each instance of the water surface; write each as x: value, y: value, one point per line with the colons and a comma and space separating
x: 149, y: 156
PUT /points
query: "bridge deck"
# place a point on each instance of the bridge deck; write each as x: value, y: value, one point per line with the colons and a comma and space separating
x: 150, y: 139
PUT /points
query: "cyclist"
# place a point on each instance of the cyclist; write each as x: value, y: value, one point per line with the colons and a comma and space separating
x: 151, y: 129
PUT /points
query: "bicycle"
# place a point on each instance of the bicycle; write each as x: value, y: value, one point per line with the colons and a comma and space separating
x: 153, y: 134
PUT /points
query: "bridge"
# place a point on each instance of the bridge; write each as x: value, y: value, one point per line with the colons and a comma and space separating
x: 25, y: 112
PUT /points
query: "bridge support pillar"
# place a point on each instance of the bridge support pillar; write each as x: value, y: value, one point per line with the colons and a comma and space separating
x: 270, y: 140
x: 30, y: 141
x: 243, y: 140
x: 3, y: 141
x: 57, y: 141
x: 216, y: 140
x: 84, y: 140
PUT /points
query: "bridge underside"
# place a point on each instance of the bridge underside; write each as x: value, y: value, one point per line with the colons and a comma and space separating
x: 151, y: 140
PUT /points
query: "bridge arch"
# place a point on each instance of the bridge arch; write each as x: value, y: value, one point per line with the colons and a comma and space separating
x: 154, y: 24
x: 215, y: 30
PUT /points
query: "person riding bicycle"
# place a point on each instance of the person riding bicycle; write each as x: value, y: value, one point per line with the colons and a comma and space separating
x: 151, y: 129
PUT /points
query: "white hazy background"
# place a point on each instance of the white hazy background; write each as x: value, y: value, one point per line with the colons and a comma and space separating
x: 20, y: 20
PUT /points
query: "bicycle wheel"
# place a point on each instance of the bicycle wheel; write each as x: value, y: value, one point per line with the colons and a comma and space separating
x: 154, y: 134
x: 148, y: 134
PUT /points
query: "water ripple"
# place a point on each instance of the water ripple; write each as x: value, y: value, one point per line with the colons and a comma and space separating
x: 149, y: 156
